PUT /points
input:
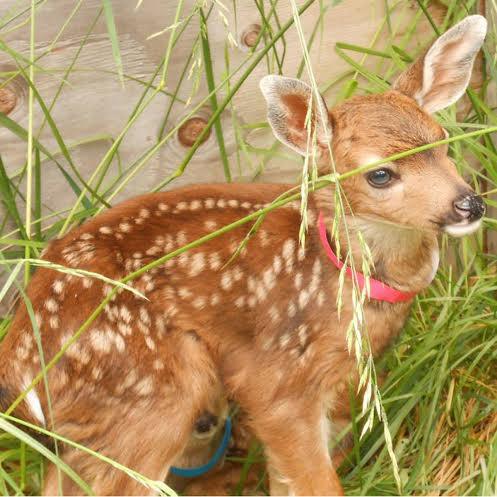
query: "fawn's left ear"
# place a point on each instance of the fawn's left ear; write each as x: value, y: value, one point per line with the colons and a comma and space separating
x: 291, y: 105
x: 441, y: 76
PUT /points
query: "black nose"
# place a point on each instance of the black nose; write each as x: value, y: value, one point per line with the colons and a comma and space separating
x: 205, y: 422
x: 470, y: 207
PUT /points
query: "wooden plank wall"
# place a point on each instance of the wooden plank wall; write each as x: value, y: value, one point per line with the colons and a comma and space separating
x: 93, y: 105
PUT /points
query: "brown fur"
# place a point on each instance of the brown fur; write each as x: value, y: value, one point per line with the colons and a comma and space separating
x: 265, y: 328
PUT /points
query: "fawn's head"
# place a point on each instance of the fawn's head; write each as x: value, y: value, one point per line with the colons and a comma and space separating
x: 422, y: 191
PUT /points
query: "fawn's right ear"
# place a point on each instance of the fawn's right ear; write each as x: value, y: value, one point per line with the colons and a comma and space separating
x: 441, y: 76
x: 289, y: 102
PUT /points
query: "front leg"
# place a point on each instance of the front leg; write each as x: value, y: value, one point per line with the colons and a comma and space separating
x: 295, y: 436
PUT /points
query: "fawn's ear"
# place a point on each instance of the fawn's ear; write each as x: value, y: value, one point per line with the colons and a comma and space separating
x: 441, y: 76
x: 288, y: 101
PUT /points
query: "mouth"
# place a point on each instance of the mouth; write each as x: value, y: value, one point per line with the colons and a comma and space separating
x: 462, y: 228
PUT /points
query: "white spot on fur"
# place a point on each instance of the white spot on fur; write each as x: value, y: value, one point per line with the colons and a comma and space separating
x: 221, y: 203
x: 301, y: 254
x: 288, y: 254
x: 199, y: 302
x: 51, y: 305
x: 251, y: 284
x: 284, y: 340
x: 143, y: 327
x: 226, y: 280
x: 195, y: 205
x: 197, y: 264
x: 160, y: 325
x: 145, y: 386
x: 277, y: 265
x: 125, y: 227
x: 58, y: 286
x: 214, y: 261
x: 263, y: 234
x: 154, y: 250
x: 22, y: 353
x: 33, y: 402
x: 298, y: 281
x: 105, y: 230
x: 181, y: 238
x: 150, y: 343
x: 53, y: 322
x: 96, y: 373
x: 274, y: 314
x: 215, y: 299
x: 304, y: 297
x: 302, y: 334
x: 233, y: 203
x: 163, y: 207
x: 261, y: 293
x: 124, y: 328
x: 240, y: 301
x: 237, y: 273
x: 209, y: 203
x: 107, y: 289
x: 269, y: 278
x: 144, y: 315
x: 100, y: 342
x: 38, y: 319
x: 144, y: 213
x: 184, y: 259
x: 125, y: 314
x: 292, y: 310
x: 119, y: 342
x: 210, y: 225
x: 185, y: 293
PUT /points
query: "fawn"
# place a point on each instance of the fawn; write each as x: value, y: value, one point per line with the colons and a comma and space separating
x: 265, y: 328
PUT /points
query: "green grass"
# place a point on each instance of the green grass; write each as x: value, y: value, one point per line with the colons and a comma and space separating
x: 440, y: 394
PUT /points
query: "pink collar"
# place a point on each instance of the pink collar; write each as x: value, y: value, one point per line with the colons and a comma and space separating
x: 378, y: 290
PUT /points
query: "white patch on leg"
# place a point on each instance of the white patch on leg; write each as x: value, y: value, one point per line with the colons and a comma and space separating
x: 34, y: 405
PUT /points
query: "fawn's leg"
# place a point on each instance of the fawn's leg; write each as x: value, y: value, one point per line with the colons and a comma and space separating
x: 295, y: 436
x: 141, y: 438
x: 339, y: 452
x: 144, y: 427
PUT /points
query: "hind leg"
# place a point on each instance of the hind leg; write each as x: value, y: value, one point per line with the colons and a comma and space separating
x: 144, y: 427
x: 142, y: 441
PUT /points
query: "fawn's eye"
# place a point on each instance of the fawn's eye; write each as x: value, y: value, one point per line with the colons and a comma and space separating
x: 379, y: 177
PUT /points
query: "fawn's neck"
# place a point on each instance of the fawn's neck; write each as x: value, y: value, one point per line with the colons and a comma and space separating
x: 403, y: 258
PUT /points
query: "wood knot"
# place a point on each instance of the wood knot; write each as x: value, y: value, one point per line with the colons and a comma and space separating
x: 8, y: 100
x: 251, y: 35
x: 191, y: 130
